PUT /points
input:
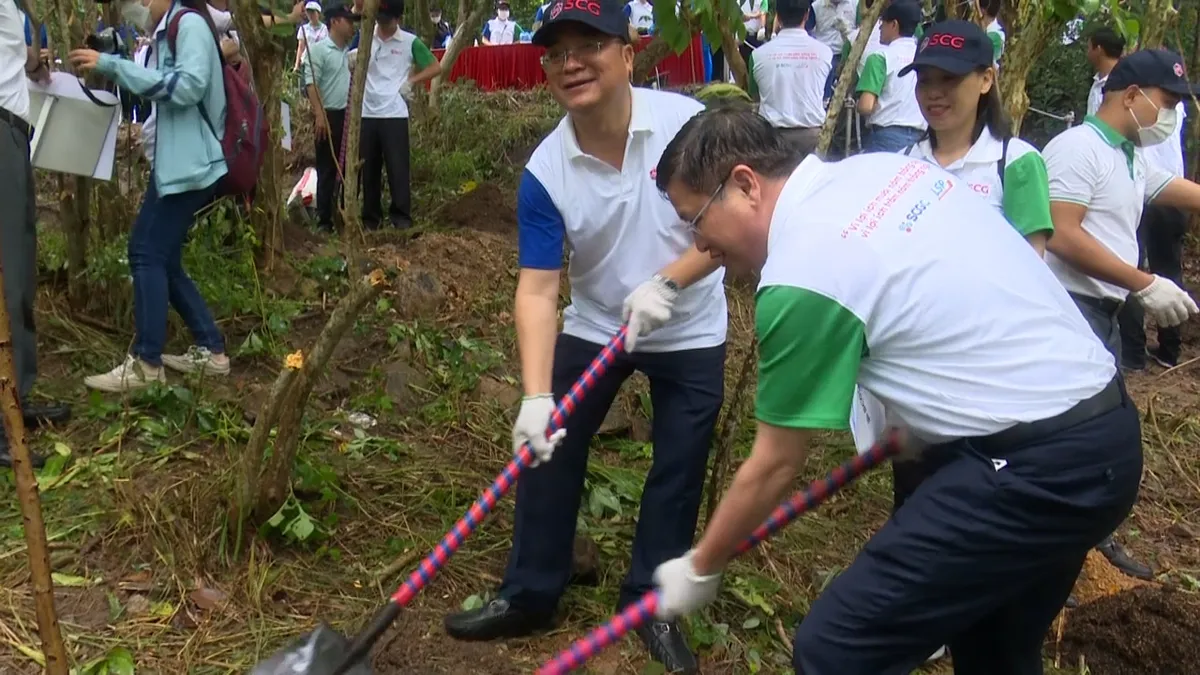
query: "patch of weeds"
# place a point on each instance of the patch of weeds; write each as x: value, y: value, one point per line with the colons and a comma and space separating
x: 454, y: 362
x: 330, y: 272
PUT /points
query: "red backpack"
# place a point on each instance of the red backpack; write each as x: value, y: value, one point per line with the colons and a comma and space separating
x: 246, y: 134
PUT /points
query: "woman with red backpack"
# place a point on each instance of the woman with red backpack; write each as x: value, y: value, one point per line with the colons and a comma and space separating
x: 185, y: 79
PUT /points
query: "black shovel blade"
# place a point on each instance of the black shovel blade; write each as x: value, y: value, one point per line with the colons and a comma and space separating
x: 320, y: 652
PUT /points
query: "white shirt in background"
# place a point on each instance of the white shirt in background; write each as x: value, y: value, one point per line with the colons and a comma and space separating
x: 828, y: 15
x: 387, y: 72
x: 753, y: 25
x: 790, y: 72
x: 641, y: 14
x: 1096, y: 93
x: 897, y: 102
x: 313, y: 33
x: 14, y: 86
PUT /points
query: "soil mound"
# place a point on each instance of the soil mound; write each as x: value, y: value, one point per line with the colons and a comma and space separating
x: 1143, y: 631
x: 487, y: 208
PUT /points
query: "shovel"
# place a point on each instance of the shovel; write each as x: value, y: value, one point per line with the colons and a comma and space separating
x: 643, y: 610
x: 326, y: 652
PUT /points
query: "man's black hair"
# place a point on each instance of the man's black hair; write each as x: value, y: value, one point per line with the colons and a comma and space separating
x: 990, y: 8
x: 704, y: 152
x: 908, y: 25
x: 793, y: 13
x: 1109, y: 41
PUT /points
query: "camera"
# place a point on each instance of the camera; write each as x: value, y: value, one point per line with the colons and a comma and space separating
x: 107, y: 41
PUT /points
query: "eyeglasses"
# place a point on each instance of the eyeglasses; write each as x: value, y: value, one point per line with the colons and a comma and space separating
x: 694, y: 223
x: 586, y: 53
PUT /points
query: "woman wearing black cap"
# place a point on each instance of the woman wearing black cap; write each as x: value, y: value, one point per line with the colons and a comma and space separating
x: 970, y: 136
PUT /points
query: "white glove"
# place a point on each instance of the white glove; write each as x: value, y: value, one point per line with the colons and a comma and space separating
x: 681, y: 590
x: 1168, y: 304
x: 647, y: 308
x: 531, y: 424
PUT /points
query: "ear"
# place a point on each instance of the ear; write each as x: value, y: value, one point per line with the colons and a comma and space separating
x: 627, y: 54
x: 743, y: 179
x: 987, y: 81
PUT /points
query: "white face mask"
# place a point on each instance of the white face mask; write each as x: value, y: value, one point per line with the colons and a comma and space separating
x: 502, y: 15
x: 134, y: 12
x: 1162, y: 128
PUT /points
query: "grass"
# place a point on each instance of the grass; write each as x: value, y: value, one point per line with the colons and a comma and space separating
x: 136, y: 490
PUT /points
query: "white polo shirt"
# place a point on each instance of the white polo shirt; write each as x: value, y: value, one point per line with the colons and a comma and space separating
x: 753, y: 25
x: 391, y: 63
x: 1023, y: 195
x: 995, y: 33
x: 827, y: 14
x: 788, y: 73
x: 873, y: 46
x: 1168, y: 155
x: 640, y: 14
x: 1095, y: 166
x: 312, y: 33
x: 1096, y: 93
x: 897, y: 96
x: 886, y: 273
x: 14, y: 89
x: 618, y: 228
x: 501, y: 32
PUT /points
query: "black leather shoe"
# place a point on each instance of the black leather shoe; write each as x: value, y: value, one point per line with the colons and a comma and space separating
x: 666, y: 644
x: 496, y: 620
x: 45, y: 414
x: 6, y: 459
x: 1120, y: 559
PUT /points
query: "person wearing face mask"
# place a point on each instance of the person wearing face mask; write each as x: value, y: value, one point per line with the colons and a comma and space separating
x: 1099, y: 184
x: 501, y: 30
x: 186, y: 84
x: 882, y: 271
x: 442, y: 30
x: 588, y: 190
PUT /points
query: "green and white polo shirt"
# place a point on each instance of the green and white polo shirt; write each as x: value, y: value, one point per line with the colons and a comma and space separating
x: 995, y: 33
x: 897, y: 104
x: 887, y: 273
x: 1024, y: 194
x: 1094, y: 165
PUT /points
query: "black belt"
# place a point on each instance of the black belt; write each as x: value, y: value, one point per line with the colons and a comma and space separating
x: 1012, y: 438
x: 1106, y: 305
x: 16, y: 123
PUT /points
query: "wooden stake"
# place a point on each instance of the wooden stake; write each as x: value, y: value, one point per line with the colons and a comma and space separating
x: 31, y: 508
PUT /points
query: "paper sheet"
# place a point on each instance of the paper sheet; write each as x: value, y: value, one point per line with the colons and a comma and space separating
x: 285, y: 118
x: 867, y: 419
x: 72, y: 134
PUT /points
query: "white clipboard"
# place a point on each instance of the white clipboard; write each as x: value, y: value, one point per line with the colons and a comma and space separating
x: 71, y: 133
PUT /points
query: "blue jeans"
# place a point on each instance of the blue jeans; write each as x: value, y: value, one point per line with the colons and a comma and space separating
x: 686, y: 390
x: 890, y: 139
x: 831, y: 81
x: 978, y: 558
x: 159, y: 282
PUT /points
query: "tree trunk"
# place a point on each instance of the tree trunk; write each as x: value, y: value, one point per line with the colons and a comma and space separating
x: 1030, y: 27
x: 733, y: 57
x: 849, y: 74
x: 351, y: 164
x: 31, y: 509
x: 648, y: 59
x: 266, y: 67
x: 265, y: 489
x: 1158, y: 17
x: 425, y: 28
x: 1194, y: 134
x: 470, y: 19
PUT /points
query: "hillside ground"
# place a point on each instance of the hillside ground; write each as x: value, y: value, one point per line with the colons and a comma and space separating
x: 409, y: 425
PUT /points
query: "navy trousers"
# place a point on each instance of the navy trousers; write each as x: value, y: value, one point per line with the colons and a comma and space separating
x: 977, y: 557
x: 686, y: 390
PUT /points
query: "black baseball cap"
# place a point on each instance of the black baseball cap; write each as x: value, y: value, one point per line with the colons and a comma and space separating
x: 604, y: 16
x: 391, y: 9
x: 1160, y: 68
x: 340, y: 12
x: 907, y: 12
x: 955, y: 46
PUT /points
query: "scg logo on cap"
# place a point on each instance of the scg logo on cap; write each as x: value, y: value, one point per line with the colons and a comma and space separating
x: 946, y: 40
x: 556, y: 10
x: 1179, y: 70
x: 590, y: 6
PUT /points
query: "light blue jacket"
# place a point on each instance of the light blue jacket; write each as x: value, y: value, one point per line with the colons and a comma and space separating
x: 187, y: 154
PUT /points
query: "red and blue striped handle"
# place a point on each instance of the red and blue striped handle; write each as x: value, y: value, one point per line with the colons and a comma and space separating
x: 495, y: 492
x: 436, y: 560
x: 643, y: 610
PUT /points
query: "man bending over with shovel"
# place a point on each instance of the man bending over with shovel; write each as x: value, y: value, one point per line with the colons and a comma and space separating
x: 889, y: 273
x: 589, y: 188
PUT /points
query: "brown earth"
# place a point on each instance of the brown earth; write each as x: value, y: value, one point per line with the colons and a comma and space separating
x: 1143, y: 631
x: 487, y: 208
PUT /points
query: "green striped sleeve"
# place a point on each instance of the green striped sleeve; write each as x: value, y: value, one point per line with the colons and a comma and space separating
x: 751, y: 83
x: 1026, y: 200
x: 874, y: 74
x: 810, y: 348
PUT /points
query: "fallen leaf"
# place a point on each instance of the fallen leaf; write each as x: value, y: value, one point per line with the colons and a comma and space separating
x: 207, y: 598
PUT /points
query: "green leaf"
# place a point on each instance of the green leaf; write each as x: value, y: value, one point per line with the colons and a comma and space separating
x: 473, y: 602
x: 654, y: 668
x: 751, y: 623
x: 302, y: 526
x: 120, y: 661
x: 60, y: 579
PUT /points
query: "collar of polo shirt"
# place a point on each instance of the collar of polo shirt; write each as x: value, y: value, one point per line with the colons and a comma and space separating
x: 1113, y: 137
x: 639, y: 122
x: 986, y: 150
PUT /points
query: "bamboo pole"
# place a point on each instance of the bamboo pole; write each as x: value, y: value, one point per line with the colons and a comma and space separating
x: 31, y: 509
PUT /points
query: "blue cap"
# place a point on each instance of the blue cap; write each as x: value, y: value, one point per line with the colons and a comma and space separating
x: 1159, y: 68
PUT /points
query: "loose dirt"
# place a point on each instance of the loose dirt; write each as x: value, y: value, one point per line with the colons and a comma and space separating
x: 487, y: 208
x: 1143, y: 631
x: 1100, y: 579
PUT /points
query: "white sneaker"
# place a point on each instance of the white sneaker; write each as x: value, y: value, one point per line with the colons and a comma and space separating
x: 132, y: 374
x: 936, y: 655
x: 197, y: 360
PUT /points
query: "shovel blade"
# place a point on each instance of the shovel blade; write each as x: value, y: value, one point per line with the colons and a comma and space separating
x: 318, y: 653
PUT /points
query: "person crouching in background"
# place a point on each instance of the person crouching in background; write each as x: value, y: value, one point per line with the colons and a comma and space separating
x: 185, y: 82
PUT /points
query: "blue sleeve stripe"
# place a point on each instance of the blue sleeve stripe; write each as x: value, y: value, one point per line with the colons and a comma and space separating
x: 487, y: 29
x: 541, y: 231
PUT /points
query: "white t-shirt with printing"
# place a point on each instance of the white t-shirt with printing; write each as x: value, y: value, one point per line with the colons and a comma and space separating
x: 790, y: 72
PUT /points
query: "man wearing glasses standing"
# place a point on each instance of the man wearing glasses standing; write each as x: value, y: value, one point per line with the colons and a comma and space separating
x: 589, y: 189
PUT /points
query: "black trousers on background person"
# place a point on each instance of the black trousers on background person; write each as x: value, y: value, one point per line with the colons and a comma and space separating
x: 384, y: 144
x: 1160, y: 244
x: 329, y: 179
